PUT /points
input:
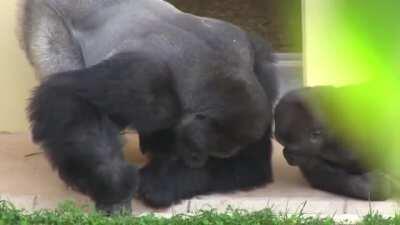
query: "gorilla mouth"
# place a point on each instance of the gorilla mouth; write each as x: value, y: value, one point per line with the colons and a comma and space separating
x: 293, y: 157
x: 290, y: 158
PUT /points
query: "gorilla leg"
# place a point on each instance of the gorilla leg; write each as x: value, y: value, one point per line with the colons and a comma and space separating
x: 165, y: 181
x: 372, y: 186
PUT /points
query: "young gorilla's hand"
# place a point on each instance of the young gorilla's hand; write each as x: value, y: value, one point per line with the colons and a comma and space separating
x: 374, y: 185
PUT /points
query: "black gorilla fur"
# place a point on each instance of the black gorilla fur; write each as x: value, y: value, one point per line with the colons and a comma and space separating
x: 199, y: 92
x: 91, y: 106
x: 327, y: 161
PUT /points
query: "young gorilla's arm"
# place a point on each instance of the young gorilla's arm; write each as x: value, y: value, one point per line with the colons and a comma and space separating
x: 369, y: 186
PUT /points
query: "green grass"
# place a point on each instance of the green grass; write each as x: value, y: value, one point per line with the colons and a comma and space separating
x: 68, y: 214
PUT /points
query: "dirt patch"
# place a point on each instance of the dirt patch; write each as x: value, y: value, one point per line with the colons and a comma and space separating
x: 278, y: 21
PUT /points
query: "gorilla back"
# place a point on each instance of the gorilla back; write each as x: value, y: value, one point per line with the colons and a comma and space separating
x: 199, y: 89
x: 63, y: 35
x: 78, y: 34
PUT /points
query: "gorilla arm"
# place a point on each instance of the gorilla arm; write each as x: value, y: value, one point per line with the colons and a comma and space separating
x: 372, y: 185
x: 77, y: 117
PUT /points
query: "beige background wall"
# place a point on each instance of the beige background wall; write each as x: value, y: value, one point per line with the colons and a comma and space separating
x: 322, y: 62
x: 16, y: 76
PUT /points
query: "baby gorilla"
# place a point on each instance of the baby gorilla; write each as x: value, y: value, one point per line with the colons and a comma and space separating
x: 324, y: 158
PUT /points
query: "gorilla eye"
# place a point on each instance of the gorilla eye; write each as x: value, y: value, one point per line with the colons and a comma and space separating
x: 315, y: 135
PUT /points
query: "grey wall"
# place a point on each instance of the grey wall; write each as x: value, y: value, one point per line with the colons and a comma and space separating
x: 289, y: 68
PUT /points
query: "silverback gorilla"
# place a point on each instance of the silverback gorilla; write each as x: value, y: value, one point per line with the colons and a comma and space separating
x: 199, y: 92
x: 327, y: 161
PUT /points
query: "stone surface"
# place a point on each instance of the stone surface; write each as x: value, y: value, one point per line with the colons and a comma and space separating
x: 29, y: 182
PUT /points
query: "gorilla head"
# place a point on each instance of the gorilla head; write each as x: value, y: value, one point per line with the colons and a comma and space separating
x: 302, y: 128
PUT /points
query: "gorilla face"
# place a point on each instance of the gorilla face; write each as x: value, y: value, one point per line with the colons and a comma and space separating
x: 300, y: 132
x: 304, y: 122
x: 303, y: 131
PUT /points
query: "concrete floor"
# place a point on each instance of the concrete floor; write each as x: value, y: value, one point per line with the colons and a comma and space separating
x: 29, y: 182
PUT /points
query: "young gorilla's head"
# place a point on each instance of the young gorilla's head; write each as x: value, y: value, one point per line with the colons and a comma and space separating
x: 301, y: 127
